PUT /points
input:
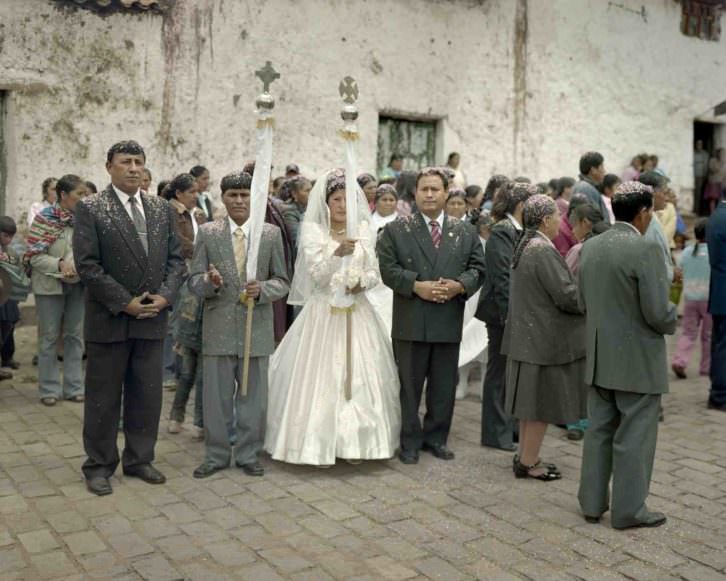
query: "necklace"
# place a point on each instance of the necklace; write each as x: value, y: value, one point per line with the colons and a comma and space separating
x: 338, y: 232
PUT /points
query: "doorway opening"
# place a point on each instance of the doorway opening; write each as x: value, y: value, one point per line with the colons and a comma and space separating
x: 706, y: 134
x: 3, y: 152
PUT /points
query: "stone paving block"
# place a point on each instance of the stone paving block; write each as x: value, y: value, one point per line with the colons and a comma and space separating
x: 452, y: 551
x: 308, y: 544
x: 286, y: 560
x: 53, y: 565
x: 335, y: 509
x: 641, y: 571
x: 178, y: 547
x: 387, y: 568
x: 400, y: 549
x: 230, y: 553
x: 278, y: 524
x: 38, y: 541
x: 436, y: 568
x: 365, y: 527
x: 229, y: 517
x: 180, y: 513
x: 84, y: 543
x: 112, y: 525
x: 597, y: 551
x: 493, y: 549
x: 412, y: 531
x: 307, y: 492
x: 594, y: 572
x: 203, y: 532
x: 343, y: 565
x: 156, y: 568
x: 323, y: 526
x: 485, y: 570
x: 316, y: 574
x: 658, y: 555
x: 259, y: 572
x: 255, y: 537
x: 204, y: 500
x: 130, y: 545
x: 11, y: 560
x: 104, y: 563
x: 695, y: 572
x: 12, y: 503
x: 294, y: 507
x: 267, y: 490
x: 249, y: 504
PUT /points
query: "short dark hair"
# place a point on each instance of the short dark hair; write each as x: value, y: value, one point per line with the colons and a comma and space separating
x: 522, y: 180
x: 630, y: 199
x: 180, y: 183
x: 198, y: 170
x: 451, y: 155
x: 610, y: 181
x: 562, y: 184
x: 699, y: 230
x: 652, y: 179
x: 249, y: 168
x: 128, y: 147
x: 509, y: 196
x: 589, y: 161
x: 236, y: 181
x: 472, y: 191
x: 67, y: 183
x: 587, y: 211
x: 160, y: 187
x: 406, y: 185
x: 46, y: 185
x: 147, y: 171
x: 575, y: 201
x: 395, y: 157
x: 456, y: 193
x: 91, y: 187
x: 433, y: 171
x: 495, y: 182
x: 7, y: 225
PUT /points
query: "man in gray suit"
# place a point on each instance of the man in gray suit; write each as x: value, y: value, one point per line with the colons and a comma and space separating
x: 218, y: 275
x: 592, y: 172
x: 624, y: 289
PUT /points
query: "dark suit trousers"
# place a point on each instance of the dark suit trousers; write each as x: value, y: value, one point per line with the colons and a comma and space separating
x: 437, y: 365
x: 133, y: 366
x: 497, y: 426
x: 718, y: 361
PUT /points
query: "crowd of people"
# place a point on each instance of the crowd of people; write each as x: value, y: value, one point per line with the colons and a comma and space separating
x: 562, y: 291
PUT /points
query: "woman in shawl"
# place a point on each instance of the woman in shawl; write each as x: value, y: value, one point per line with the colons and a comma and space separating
x: 58, y: 294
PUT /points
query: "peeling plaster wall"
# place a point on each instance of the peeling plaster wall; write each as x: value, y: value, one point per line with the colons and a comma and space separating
x: 601, y: 77
x: 520, y: 86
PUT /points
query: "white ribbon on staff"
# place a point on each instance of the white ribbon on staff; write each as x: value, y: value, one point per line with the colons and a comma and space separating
x: 260, y: 188
x: 342, y: 300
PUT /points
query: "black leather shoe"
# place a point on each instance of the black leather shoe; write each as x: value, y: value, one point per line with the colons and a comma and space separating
x: 99, y: 485
x: 593, y: 520
x: 654, y: 519
x: 439, y: 450
x: 147, y: 473
x: 206, y: 469
x: 506, y: 448
x: 408, y: 456
x: 252, y: 469
x: 713, y: 406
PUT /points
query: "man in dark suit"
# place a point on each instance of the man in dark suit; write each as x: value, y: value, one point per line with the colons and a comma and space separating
x: 716, y: 239
x: 432, y: 263
x: 497, y: 426
x: 128, y: 256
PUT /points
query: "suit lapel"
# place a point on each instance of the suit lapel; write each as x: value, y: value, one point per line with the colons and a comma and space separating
x: 226, y: 251
x: 447, y: 237
x: 120, y: 218
x: 423, y: 238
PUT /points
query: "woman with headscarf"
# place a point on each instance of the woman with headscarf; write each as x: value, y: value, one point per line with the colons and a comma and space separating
x: 544, y: 340
x: 369, y: 185
x: 380, y: 296
x: 58, y: 294
x: 334, y: 390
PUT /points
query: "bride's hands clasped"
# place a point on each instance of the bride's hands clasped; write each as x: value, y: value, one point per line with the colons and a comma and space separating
x: 346, y: 248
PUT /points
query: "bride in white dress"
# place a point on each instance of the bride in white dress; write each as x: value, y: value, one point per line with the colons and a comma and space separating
x: 310, y: 419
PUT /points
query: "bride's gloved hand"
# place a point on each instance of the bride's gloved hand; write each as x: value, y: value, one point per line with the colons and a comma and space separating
x: 346, y: 248
x: 355, y: 290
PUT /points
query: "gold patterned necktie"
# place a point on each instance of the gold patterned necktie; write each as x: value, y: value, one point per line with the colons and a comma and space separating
x: 139, y: 222
x: 240, y: 251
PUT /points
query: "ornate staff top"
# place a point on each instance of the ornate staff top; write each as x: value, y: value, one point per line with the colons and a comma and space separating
x: 348, y: 90
x: 267, y: 75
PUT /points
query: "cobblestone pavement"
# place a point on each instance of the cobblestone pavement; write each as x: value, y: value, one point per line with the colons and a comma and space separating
x: 380, y: 520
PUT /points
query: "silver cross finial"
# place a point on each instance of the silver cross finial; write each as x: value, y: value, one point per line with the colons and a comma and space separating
x: 267, y: 74
x: 348, y: 90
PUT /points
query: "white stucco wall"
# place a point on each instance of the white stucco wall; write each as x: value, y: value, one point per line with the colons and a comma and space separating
x: 596, y: 77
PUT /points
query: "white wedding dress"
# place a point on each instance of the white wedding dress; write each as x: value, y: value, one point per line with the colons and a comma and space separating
x: 309, y: 419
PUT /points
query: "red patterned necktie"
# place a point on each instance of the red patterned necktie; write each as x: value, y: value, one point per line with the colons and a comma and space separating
x: 435, y: 233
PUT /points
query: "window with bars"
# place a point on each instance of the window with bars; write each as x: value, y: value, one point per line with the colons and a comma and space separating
x: 701, y: 19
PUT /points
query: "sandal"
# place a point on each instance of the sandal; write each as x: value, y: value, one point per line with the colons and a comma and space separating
x: 524, y: 471
x: 49, y: 401
x: 550, y: 467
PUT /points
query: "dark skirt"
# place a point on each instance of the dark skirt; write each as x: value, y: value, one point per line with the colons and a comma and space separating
x: 555, y: 394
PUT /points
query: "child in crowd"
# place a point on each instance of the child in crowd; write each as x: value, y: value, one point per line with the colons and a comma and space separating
x: 696, y: 275
x: 9, y: 311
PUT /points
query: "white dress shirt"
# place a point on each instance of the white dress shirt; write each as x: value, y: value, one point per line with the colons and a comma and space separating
x: 124, y: 199
x: 245, y: 230
x: 439, y: 220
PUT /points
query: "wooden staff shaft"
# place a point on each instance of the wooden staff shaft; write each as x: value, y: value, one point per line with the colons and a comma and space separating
x: 248, y: 342
x: 348, y: 355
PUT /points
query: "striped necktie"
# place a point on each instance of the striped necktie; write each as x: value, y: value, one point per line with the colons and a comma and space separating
x: 435, y: 233
x: 139, y: 222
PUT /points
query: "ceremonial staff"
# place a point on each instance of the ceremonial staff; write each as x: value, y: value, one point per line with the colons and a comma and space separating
x: 258, y: 198
x: 348, y: 90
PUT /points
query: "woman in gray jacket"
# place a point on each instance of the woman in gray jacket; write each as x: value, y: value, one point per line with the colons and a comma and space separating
x: 58, y: 294
x: 544, y: 339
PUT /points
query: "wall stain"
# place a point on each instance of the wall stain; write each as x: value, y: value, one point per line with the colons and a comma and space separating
x: 520, y: 76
